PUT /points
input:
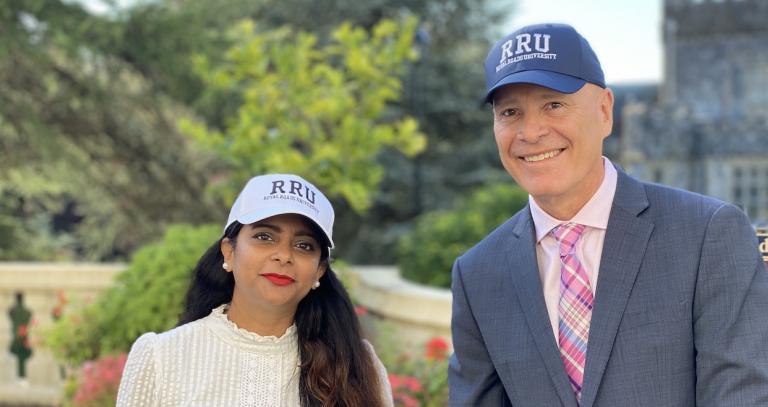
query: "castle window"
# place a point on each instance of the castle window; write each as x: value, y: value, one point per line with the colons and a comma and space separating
x: 749, y: 190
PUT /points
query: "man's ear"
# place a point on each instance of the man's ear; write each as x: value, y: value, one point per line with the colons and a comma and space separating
x: 227, y: 250
x: 606, y: 111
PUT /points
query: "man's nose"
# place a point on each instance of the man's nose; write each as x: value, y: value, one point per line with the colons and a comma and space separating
x: 530, y: 129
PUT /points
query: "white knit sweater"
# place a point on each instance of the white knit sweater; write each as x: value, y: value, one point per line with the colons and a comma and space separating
x: 212, y: 362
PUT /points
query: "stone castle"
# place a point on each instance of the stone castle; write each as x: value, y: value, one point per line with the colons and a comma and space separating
x: 708, y: 129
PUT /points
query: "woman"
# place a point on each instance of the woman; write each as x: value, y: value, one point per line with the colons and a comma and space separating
x: 267, y: 323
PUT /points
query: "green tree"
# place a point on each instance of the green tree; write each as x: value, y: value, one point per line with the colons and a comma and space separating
x: 93, y: 165
x: 441, y: 89
x: 314, y: 110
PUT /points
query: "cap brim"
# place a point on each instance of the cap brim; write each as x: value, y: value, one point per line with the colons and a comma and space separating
x: 256, y: 216
x: 552, y: 80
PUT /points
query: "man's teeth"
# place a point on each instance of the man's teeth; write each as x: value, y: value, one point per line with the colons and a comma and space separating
x: 542, y: 156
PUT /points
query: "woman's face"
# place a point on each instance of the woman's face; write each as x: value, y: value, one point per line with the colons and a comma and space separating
x: 275, y: 262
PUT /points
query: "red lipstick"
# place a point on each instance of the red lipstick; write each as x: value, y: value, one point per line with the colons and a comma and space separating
x: 278, y: 279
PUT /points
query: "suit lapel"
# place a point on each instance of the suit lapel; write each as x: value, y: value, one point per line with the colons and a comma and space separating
x: 626, y: 238
x: 527, y: 283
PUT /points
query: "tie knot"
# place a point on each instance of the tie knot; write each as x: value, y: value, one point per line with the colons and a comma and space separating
x: 567, y: 234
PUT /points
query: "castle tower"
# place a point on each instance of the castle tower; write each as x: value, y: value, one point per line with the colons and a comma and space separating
x: 709, y: 131
x: 715, y: 59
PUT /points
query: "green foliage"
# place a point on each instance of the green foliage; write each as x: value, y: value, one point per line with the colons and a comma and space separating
x: 147, y: 296
x: 89, y: 106
x: 318, y: 111
x: 426, y: 254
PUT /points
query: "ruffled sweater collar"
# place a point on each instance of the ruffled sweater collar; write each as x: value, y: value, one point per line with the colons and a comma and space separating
x: 222, y: 326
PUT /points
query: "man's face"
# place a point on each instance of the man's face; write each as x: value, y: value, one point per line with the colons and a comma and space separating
x: 551, y: 143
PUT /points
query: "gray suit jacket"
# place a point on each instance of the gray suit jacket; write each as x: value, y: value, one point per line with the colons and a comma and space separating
x: 680, y: 316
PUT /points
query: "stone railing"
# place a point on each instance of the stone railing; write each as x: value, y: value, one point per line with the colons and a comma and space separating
x: 416, y: 312
x: 39, y: 286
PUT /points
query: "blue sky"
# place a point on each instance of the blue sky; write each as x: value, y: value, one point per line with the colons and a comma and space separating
x: 626, y: 35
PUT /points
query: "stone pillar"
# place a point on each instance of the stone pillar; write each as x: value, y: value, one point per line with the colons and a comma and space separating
x: 7, y: 360
x: 42, y: 368
x: 669, y: 88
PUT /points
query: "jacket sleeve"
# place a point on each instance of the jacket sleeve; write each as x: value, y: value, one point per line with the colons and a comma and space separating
x: 138, y: 386
x: 730, y: 323
x: 472, y: 378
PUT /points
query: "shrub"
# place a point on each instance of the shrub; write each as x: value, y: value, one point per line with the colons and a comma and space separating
x: 426, y: 254
x: 147, y: 296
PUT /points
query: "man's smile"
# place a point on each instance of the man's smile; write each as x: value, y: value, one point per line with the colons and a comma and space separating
x: 542, y: 156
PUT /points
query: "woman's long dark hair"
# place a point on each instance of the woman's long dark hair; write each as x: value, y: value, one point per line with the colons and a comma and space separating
x: 336, y: 367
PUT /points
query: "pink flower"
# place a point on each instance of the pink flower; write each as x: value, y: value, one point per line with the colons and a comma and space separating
x: 405, y: 400
x: 360, y: 310
x: 403, y: 382
x: 61, y: 297
x: 98, y: 378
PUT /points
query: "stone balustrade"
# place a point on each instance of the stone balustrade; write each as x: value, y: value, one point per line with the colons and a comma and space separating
x: 417, y: 312
x: 40, y: 285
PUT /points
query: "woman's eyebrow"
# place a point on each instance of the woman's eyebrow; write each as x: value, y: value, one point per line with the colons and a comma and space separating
x: 276, y: 228
x: 265, y: 225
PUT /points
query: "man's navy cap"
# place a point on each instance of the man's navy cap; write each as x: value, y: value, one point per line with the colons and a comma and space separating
x: 550, y: 55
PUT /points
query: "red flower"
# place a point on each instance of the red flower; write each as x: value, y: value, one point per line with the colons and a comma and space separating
x: 436, y: 349
x: 22, y: 331
x: 360, y: 310
x: 408, y: 383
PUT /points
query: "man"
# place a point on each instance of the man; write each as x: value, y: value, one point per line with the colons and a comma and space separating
x: 603, y: 291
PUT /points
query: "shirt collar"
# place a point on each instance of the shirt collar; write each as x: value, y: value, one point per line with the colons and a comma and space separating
x: 593, y: 214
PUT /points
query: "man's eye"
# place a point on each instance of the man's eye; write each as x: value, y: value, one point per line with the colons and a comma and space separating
x: 509, y: 112
x: 555, y: 105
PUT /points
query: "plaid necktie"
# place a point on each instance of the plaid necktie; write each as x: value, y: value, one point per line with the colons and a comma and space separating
x: 575, y: 306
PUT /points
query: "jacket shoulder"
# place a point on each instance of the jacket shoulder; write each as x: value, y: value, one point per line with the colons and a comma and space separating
x: 499, y: 238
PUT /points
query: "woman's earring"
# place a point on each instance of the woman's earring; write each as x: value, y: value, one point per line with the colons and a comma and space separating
x: 315, y: 285
x: 225, y: 266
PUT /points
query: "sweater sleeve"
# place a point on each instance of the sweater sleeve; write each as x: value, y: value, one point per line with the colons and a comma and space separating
x: 386, y: 388
x: 138, y: 386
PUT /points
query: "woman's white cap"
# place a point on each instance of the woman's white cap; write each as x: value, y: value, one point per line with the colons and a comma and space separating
x: 276, y: 194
